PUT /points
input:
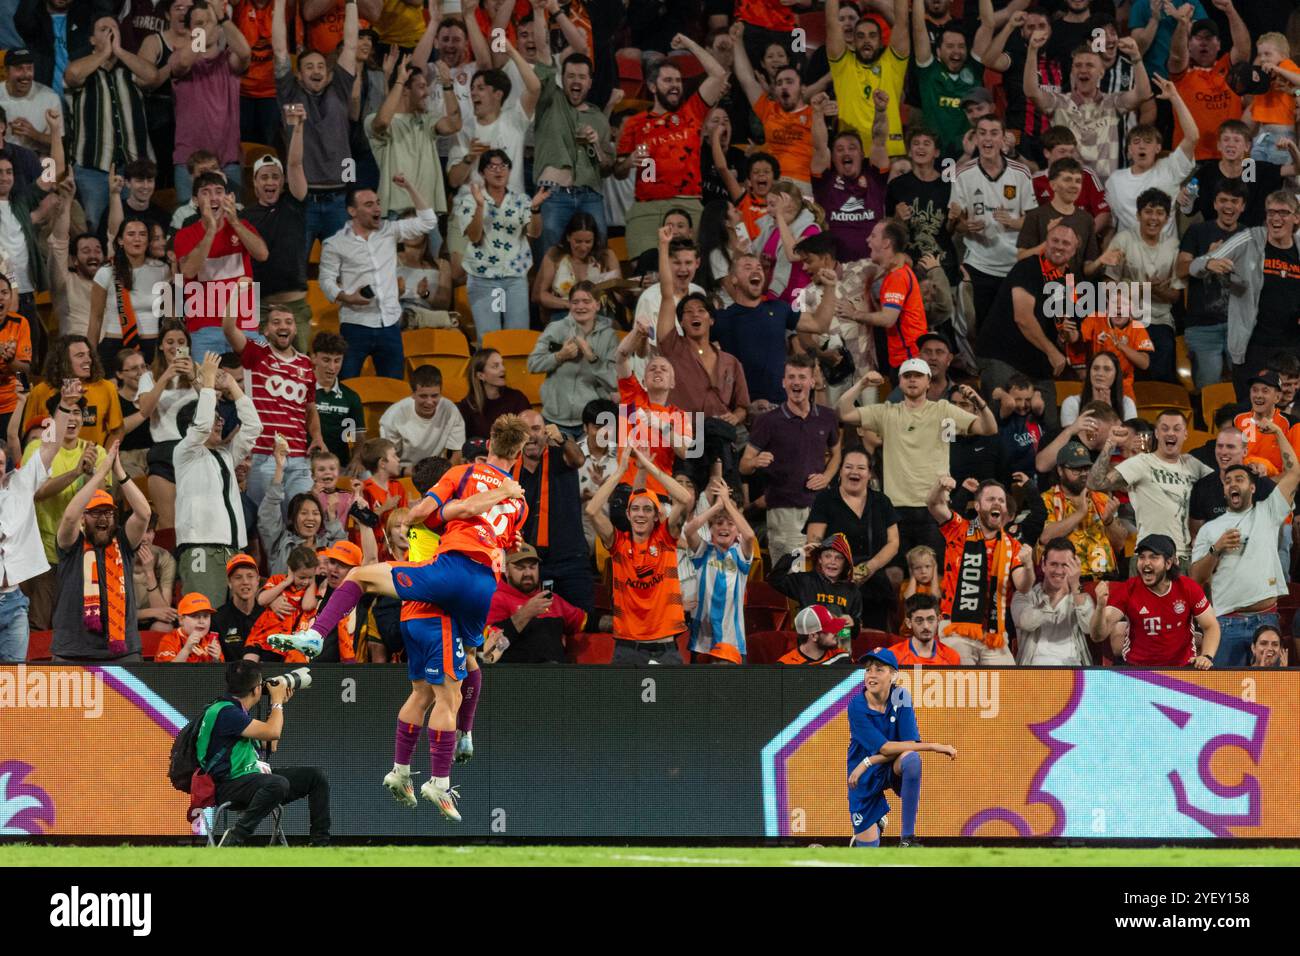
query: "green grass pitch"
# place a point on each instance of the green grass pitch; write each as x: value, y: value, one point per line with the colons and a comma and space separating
x: 119, y: 856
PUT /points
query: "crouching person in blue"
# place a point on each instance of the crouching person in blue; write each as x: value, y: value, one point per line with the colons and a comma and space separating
x: 231, y: 736
x: 884, y: 753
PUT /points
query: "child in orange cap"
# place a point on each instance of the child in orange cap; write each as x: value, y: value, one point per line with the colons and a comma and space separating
x: 193, y: 642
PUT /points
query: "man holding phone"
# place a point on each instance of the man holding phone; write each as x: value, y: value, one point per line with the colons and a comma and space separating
x: 535, y: 622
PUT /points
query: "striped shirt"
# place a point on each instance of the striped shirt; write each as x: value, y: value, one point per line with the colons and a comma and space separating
x: 718, y: 625
x: 281, y: 390
x: 106, y: 120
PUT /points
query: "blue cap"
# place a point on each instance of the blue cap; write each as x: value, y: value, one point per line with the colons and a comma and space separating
x: 882, y: 654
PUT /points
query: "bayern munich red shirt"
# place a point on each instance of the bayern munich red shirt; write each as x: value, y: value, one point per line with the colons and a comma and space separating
x: 1159, y: 627
x: 281, y: 390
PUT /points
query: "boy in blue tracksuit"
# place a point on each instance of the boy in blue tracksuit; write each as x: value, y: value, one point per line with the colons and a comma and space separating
x: 884, y: 752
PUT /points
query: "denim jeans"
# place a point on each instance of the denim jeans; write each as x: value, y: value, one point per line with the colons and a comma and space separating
x: 384, y: 345
x: 560, y: 207
x: 1236, y: 632
x: 92, y: 193
x: 297, y: 477
x: 185, y: 184
x: 203, y: 341
x: 14, y: 631
x: 495, y: 311
x: 1207, y: 345
x: 326, y: 214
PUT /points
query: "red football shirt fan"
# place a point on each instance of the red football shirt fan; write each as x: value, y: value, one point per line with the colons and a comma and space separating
x: 281, y: 390
x: 227, y: 262
x: 1159, y: 626
x: 673, y: 140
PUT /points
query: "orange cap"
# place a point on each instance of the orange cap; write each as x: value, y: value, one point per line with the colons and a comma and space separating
x: 100, y: 499
x: 195, y: 603
x: 344, y: 552
x: 240, y: 561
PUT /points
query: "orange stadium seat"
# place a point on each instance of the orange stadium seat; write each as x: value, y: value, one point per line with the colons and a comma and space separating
x: 1214, y: 397
x: 631, y: 78
x: 1162, y: 395
x: 515, y: 346
x: 324, y: 313
x: 1065, y: 389
x: 766, y: 608
x: 871, y: 640
x: 149, y: 641
x: 585, y: 648
x: 767, y: 647
x: 445, y: 348
x: 376, y: 394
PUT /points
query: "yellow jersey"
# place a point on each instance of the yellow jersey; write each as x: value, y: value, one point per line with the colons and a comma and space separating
x: 856, y: 82
x: 424, y: 544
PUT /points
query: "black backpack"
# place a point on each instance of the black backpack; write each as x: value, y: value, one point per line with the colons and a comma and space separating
x: 184, y: 760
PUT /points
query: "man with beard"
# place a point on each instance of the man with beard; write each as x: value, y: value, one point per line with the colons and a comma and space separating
x: 572, y: 149
x: 819, y: 643
x: 1148, y: 619
x: 1089, y: 521
x: 1201, y: 74
x: 95, y: 611
x: 662, y: 146
x: 280, y: 217
x: 982, y: 564
x: 851, y: 192
x: 535, y: 623
x: 1053, y: 619
x: 916, y: 437
x: 923, y: 647
x: 1236, y: 553
x: 547, y: 470
x: 877, y: 61
x: 234, y: 619
x: 326, y: 95
x: 25, y: 103
x: 945, y: 76
x: 72, y: 358
x: 283, y: 390
x: 73, y: 265
x: 1159, y: 483
x: 789, y: 127
x: 1208, y: 500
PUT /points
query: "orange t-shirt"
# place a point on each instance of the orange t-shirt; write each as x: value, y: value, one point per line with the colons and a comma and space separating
x: 751, y: 210
x: 788, y: 137
x: 14, y: 329
x: 640, y: 417
x: 208, y: 650
x: 673, y: 140
x: 901, y: 290
x: 1277, y: 106
x: 1262, y: 445
x: 271, y: 623
x: 483, y: 538
x: 944, y: 656
x: 1211, y: 100
x: 647, y: 593
x: 796, y: 656
x: 904, y: 628
x: 1099, y: 335
x: 768, y: 14
x: 325, y: 33
x: 258, y: 81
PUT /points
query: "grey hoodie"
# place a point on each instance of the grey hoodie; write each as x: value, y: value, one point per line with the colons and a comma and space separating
x: 1246, y: 250
x: 569, y: 386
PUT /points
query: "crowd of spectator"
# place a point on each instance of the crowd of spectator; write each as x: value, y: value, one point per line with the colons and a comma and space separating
x: 963, y: 327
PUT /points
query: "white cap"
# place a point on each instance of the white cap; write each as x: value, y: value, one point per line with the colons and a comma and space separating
x: 816, y: 618
x: 267, y: 160
x: 914, y: 365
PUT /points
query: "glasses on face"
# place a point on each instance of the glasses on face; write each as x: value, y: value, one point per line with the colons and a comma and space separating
x: 1277, y: 213
x: 497, y: 164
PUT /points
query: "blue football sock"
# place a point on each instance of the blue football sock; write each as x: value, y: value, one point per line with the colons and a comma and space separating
x: 867, y: 843
x: 911, y: 773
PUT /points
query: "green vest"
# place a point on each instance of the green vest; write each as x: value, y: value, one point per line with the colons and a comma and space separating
x: 243, y: 756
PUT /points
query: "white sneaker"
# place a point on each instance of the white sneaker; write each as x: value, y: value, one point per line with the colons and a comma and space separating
x: 464, y: 746
x: 399, y: 785
x: 445, y: 800
x: 308, y: 643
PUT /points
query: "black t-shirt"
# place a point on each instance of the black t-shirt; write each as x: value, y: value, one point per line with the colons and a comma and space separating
x: 1021, y: 437
x: 153, y: 214
x: 1207, y: 501
x: 564, y: 520
x: 756, y: 335
x: 1279, y: 300
x: 1207, y: 297
x: 232, y: 627
x: 866, y: 534
x: 977, y: 456
x: 1268, y: 179
x: 711, y: 186
x: 283, y: 227
x: 926, y: 229
x: 1066, y: 38
x: 138, y: 438
x: 1000, y: 337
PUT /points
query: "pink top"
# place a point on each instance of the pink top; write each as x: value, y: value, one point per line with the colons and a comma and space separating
x: 799, y: 277
x: 207, y: 110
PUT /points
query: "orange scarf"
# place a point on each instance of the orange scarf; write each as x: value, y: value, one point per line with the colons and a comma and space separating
x: 979, y: 604
x: 126, y: 317
x: 103, y: 608
x: 543, y: 498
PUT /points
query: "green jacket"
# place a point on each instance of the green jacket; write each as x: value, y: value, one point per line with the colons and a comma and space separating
x: 243, y: 756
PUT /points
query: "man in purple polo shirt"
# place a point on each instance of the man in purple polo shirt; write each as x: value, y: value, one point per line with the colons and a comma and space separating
x: 797, y: 448
x: 851, y: 193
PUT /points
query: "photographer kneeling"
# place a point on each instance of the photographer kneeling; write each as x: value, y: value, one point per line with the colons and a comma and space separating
x: 229, y: 732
